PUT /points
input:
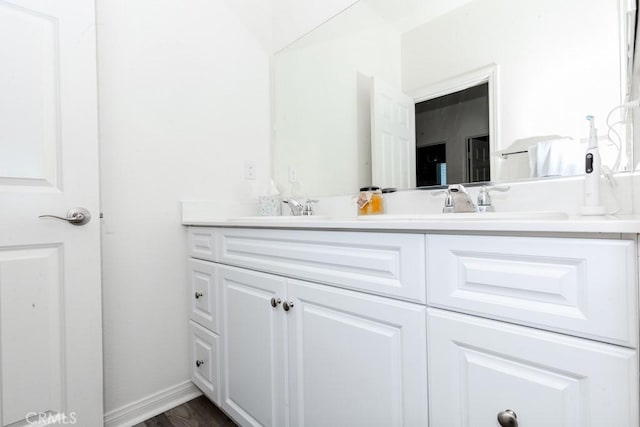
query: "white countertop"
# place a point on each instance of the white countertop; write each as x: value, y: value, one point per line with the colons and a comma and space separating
x: 578, y: 224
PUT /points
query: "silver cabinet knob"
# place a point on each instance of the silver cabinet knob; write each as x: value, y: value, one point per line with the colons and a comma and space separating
x: 507, y: 418
x: 199, y: 363
x: 287, y: 305
x: 275, y: 302
x: 199, y: 294
x: 75, y: 216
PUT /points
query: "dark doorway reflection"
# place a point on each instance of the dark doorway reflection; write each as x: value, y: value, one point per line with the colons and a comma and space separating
x: 452, y: 138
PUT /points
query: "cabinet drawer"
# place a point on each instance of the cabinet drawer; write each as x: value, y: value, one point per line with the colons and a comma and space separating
x: 202, y: 243
x: 204, y: 294
x: 379, y: 263
x: 205, y: 361
x: 583, y: 287
x: 480, y: 367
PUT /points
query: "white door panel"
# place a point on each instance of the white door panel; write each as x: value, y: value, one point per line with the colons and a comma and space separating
x: 50, y: 296
x: 393, y: 137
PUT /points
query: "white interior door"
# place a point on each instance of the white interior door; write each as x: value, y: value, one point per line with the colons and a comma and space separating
x: 393, y: 137
x: 50, y: 295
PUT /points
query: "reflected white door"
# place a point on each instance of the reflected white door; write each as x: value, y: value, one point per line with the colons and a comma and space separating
x: 393, y: 137
x: 50, y: 295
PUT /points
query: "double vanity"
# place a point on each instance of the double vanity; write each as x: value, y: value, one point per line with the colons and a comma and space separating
x: 410, y: 320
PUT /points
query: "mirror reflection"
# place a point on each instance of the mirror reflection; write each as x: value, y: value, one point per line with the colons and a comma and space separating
x: 411, y: 93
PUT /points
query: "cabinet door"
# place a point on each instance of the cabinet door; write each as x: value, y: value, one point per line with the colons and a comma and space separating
x: 479, y: 367
x: 355, y: 359
x: 253, y: 347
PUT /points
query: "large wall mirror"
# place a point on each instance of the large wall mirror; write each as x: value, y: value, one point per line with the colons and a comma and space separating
x: 409, y: 93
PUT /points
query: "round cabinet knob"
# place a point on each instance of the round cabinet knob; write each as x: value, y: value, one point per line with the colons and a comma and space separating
x: 199, y: 363
x: 287, y: 305
x: 275, y: 302
x: 199, y: 294
x: 507, y: 418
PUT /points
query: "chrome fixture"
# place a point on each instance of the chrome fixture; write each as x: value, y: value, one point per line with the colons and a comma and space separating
x: 199, y: 295
x: 199, y: 363
x: 75, y: 216
x: 484, y: 197
x: 300, y: 209
x: 275, y: 302
x: 507, y: 418
x: 287, y: 305
x: 457, y: 199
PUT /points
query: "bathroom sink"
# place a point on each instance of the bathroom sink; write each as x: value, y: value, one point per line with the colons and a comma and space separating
x: 280, y: 218
x: 471, y: 216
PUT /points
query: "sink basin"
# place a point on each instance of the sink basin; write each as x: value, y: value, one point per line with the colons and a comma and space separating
x: 471, y: 216
x: 280, y: 218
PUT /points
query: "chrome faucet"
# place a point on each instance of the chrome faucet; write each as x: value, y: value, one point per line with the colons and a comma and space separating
x: 457, y: 199
x: 300, y: 209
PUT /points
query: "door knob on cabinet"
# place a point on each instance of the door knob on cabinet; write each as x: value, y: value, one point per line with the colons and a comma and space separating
x: 275, y: 302
x: 199, y: 294
x: 287, y: 305
x: 75, y: 216
x: 199, y: 363
x: 507, y: 418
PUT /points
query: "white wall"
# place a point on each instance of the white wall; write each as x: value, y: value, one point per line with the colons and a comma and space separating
x: 184, y: 101
x: 294, y: 18
x: 321, y: 102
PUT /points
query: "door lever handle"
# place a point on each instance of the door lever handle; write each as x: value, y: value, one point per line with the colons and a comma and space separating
x: 75, y: 216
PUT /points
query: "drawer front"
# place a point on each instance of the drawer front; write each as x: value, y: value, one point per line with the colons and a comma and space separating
x: 479, y: 368
x: 202, y: 243
x: 379, y: 263
x: 205, y: 361
x: 583, y: 287
x: 204, y: 294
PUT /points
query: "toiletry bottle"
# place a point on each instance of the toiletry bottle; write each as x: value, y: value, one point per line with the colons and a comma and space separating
x: 592, y: 204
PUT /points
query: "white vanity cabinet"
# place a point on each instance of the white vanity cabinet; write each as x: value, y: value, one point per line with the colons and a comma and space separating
x: 343, y: 328
x: 299, y: 353
x: 534, y: 365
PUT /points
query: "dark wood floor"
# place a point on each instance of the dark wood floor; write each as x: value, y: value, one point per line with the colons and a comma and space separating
x: 199, y: 412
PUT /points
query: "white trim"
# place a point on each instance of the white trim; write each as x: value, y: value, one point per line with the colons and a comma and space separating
x: 152, y: 405
x: 627, y: 36
x: 487, y: 74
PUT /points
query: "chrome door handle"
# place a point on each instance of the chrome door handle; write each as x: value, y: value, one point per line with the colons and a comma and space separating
x: 507, y: 418
x: 75, y: 216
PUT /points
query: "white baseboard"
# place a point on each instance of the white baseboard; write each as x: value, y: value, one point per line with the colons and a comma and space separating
x: 152, y: 405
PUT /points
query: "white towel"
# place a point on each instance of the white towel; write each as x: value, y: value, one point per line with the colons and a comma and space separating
x: 555, y: 157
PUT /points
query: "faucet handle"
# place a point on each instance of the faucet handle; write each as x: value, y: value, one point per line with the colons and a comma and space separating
x: 484, y: 196
x: 308, y: 207
x: 448, y: 201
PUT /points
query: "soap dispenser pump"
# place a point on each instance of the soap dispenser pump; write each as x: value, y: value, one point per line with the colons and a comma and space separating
x: 592, y: 165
